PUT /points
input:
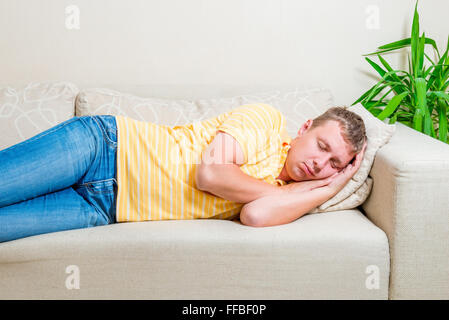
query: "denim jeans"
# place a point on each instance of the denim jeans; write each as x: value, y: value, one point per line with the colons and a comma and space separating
x: 63, y: 178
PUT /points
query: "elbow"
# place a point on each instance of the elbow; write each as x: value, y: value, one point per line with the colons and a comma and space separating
x: 249, y: 218
x: 254, y: 215
x: 201, y: 178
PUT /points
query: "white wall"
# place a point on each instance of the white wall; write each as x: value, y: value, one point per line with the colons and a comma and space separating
x: 189, y: 48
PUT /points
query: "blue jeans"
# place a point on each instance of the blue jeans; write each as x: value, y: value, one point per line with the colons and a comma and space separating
x: 63, y: 178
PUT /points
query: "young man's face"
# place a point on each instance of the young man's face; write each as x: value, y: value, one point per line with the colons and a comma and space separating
x: 321, y: 149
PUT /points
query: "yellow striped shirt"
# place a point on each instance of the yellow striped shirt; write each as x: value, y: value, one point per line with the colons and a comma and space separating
x: 156, y: 163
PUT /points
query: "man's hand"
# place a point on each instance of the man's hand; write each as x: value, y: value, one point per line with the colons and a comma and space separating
x: 307, y: 185
x: 341, y: 178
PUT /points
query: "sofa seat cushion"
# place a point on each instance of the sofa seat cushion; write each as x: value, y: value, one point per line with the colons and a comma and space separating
x: 331, y: 255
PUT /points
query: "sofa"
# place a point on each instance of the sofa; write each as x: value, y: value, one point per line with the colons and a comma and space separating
x: 395, y: 245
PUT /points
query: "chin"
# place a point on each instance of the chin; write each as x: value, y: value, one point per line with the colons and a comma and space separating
x: 295, y: 177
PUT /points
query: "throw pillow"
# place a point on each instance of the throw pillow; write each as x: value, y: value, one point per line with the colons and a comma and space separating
x: 28, y: 110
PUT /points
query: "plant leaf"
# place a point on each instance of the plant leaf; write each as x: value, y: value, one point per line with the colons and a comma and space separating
x: 442, y: 129
x: 394, y: 76
x: 420, y: 55
x: 406, y: 42
x: 414, y: 42
x: 376, y: 67
x: 428, y: 127
x: 393, y: 119
x: 439, y: 75
x: 391, y: 106
x: 375, y: 104
x: 377, y: 89
x: 363, y: 96
x: 421, y: 104
x: 401, y: 44
x: 439, y: 94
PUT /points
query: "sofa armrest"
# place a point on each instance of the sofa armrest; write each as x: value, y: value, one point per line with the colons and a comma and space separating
x: 410, y: 202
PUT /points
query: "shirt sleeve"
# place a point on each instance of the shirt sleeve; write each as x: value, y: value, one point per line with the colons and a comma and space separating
x: 252, y: 125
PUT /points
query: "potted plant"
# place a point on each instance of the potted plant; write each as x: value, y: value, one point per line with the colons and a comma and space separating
x: 418, y: 97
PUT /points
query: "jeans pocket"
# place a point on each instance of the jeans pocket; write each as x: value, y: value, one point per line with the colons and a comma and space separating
x: 108, y: 127
x: 107, y: 186
x: 102, y: 194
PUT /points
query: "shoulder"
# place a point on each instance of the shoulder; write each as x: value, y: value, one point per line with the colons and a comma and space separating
x: 257, y: 116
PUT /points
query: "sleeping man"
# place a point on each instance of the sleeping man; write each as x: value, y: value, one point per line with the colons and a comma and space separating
x: 95, y: 170
x: 276, y: 178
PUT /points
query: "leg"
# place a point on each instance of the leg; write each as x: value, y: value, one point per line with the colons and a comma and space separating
x: 56, y: 211
x: 61, y: 179
x: 50, y: 161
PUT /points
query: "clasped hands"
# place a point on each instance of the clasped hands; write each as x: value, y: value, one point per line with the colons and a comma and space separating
x: 332, y: 184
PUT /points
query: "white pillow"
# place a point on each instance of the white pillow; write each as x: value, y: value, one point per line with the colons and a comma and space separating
x: 358, y: 188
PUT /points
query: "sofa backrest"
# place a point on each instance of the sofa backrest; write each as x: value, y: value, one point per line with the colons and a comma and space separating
x: 297, y: 105
x: 30, y: 109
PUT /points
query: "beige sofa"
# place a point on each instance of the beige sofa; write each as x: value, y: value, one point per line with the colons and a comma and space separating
x: 394, y: 246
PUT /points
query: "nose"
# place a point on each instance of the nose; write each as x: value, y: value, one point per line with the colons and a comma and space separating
x: 319, y: 164
x: 316, y: 167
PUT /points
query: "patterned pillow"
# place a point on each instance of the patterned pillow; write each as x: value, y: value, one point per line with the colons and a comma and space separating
x: 28, y: 110
x: 98, y: 101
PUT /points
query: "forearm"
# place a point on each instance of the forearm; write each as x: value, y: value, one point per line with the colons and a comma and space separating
x: 282, y: 208
x: 231, y: 183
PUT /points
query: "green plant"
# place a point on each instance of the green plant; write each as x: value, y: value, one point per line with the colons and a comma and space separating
x: 419, y: 96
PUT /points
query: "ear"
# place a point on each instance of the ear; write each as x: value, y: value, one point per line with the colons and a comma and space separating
x: 353, y: 158
x: 306, y: 126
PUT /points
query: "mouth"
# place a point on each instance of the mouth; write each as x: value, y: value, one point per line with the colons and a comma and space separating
x: 307, y: 170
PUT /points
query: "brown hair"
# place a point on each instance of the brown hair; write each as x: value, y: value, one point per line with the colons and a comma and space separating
x: 351, y: 124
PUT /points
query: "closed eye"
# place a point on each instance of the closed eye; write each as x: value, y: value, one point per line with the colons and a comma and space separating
x: 320, y: 146
x: 324, y: 149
